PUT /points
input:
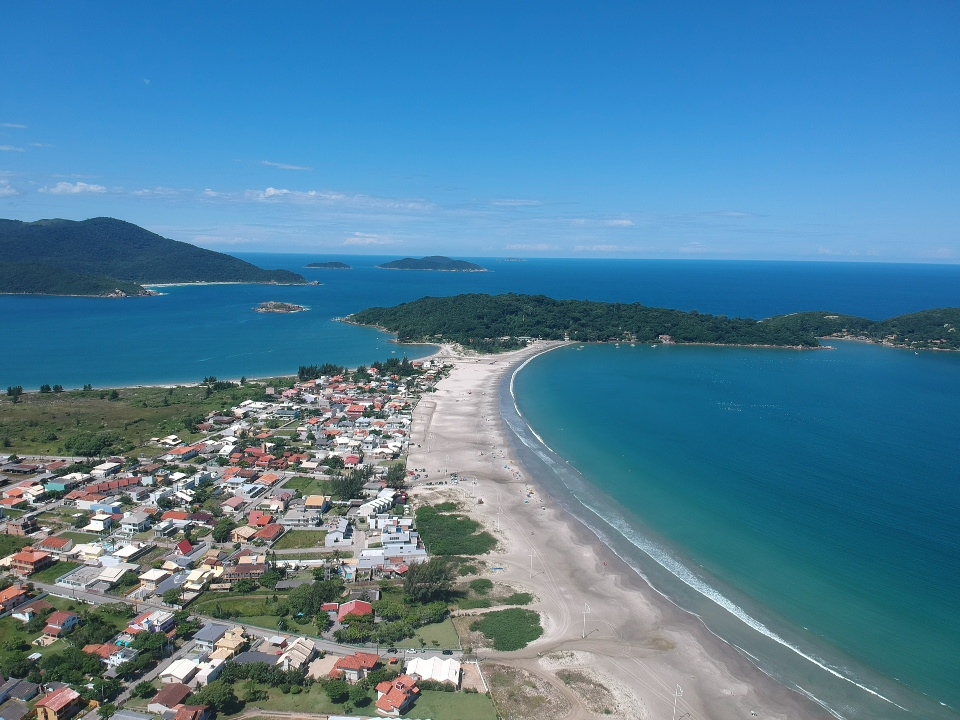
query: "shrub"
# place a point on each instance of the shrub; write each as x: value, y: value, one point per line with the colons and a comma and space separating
x: 509, y: 629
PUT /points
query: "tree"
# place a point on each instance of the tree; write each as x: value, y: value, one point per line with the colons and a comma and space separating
x: 218, y: 695
x: 397, y: 476
x: 45, y: 388
x: 428, y: 580
x: 144, y: 690
x: 338, y: 691
x: 172, y: 596
x: 107, y: 710
x: 359, y: 696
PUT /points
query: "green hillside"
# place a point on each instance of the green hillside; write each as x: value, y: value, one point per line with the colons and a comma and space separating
x: 495, y: 322
x: 78, y: 257
x: 432, y: 262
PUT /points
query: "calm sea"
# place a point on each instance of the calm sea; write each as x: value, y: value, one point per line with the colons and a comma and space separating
x: 806, y: 504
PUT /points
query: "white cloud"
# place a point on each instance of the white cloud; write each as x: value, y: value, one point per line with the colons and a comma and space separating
x: 10, y: 148
x: 13, y: 126
x: 619, y: 223
x: 366, y: 239
x: 940, y: 254
x: 284, y: 166
x: 534, y: 247
x: 211, y: 193
x: 604, y: 249
x: 40, y: 145
x: 515, y: 203
x: 146, y: 81
x: 6, y: 190
x: 78, y: 188
x: 157, y: 192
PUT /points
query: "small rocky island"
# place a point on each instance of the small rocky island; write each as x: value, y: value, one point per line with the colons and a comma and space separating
x: 437, y: 263
x: 279, y: 307
x: 329, y: 266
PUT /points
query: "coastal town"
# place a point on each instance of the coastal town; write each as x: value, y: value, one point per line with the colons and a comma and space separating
x: 265, y: 563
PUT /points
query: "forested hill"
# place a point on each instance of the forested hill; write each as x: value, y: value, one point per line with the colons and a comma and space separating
x: 433, y: 262
x: 108, y: 250
x: 500, y: 322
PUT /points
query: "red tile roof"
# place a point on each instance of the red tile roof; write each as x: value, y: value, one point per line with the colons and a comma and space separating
x: 358, y: 661
x: 354, y: 607
x: 59, y: 700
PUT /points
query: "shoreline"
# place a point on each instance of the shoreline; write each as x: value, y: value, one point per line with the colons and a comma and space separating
x: 635, y: 638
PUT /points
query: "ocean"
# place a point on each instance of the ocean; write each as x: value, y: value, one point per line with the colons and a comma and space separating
x: 805, y: 504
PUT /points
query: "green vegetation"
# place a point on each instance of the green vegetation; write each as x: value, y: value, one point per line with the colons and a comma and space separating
x: 328, y: 266
x: 509, y: 629
x: 435, y: 635
x: 432, y: 262
x: 51, y: 574
x: 298, y: 539
x: 75, y: 258
x: 452, y: 706
x: 481, y: 586
x: 494, y: 322
x: 449, y: 533
x: 308, y: 486
x: 10, y: 544
x: 89, y: 424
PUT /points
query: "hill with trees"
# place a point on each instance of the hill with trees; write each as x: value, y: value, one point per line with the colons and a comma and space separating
x: 491, y: 323
x: 101, y: 255
x: 433, y: 262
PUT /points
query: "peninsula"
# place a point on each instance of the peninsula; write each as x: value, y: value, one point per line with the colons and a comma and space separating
x: 329, y: 266
x: 279, y: 307
x: 437, y: 263
x: 497, y: 323
x: 105, y: 257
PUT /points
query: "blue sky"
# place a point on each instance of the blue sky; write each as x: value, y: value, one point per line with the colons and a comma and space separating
x: 704, y: 130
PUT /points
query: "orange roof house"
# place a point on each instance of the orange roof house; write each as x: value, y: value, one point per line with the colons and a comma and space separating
x: 269, y: 533
x: 28, y: 561
x: 395, y: 698
x: 62, y: 704
x: 12, y: 597
x: 354, y: 668
x: 357, y: 608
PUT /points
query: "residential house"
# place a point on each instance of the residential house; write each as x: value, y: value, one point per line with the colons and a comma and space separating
x: 58, y: 546
x: 233, y: 504
x: 355, y: 668
x: 168, y: 698
x: 270, y: 533
x: 152, y: 578
x: 340, y: 534
x: 28, y: 561
x: 113, y: 656
x: 320, y: 503
x: 179, y: 671
x: 106, y: 469
x: 60, y: 705
x: 61, y: 623
x: 194, y: 712
x: 135, y: 522
x: 12, y: 597
x: 354, y: 608
x: 23, y: 526
x: 26, y: 613
x: 297, y: 654
x: 243, y: 534
x: 244, y: 571
x: 445, y: 670
x: 207, y: 636
x: 395, y: 697
x: 231, y: 644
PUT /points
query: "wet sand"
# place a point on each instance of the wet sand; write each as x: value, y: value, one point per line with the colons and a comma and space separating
x: 638, y: 644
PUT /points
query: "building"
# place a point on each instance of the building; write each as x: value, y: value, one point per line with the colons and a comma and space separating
x: 244, y: 571
x: 61, y: 623
x: 105, y: 470
x: 320, y: 503
x: 231, y: 644
x: 135, y: 522
x: 395, y: 698
x: 207, y: 636
x: 270, y: 533
x: 194, y: 712
x: 12, y: 597
x: 168, y: 698
x: 243, y: 534
x: 60, y: 705
x: 179, y: 671
x: 297, y: 654
x: 26, y: 613
x: 354, y: 608
x: 151, y: 579
x: 445, y: 670
x: 58, y: 546
x: 23, y: 526
x: 28, y: 561
x: 355, y: 668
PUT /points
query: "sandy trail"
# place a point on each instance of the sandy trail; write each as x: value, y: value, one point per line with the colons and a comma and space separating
x: 637, y: 644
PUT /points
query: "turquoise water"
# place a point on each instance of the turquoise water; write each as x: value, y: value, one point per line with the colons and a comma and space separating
x: 816, y: 491
x: 193, y: 332
x: 804, y: 504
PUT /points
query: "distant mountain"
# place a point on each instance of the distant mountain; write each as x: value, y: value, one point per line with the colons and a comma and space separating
x: 329, y: 266
x: 100, y: 255
x: 433, y: 262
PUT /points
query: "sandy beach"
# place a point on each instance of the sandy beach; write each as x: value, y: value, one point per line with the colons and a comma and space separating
x: 638, y: 647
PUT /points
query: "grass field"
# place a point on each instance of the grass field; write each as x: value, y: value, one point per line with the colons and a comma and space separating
x: 246, y: 607
x: 509, y: 629
x: 443, y: 632
x: 300, y: 539
x: 307, y: 486
x: 314, y: 701
x: 438, y: 705
x: 10, y: 544
x: 51, y: 574
x: 80, y: 538
x: 12, y: 629
x: 52, y: 423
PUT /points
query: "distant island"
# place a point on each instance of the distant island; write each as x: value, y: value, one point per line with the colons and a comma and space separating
x: 433, y: 262
x: 493, y: 323
x: 329, y: 266
x: 105, y: 257
x: 279, y: 307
